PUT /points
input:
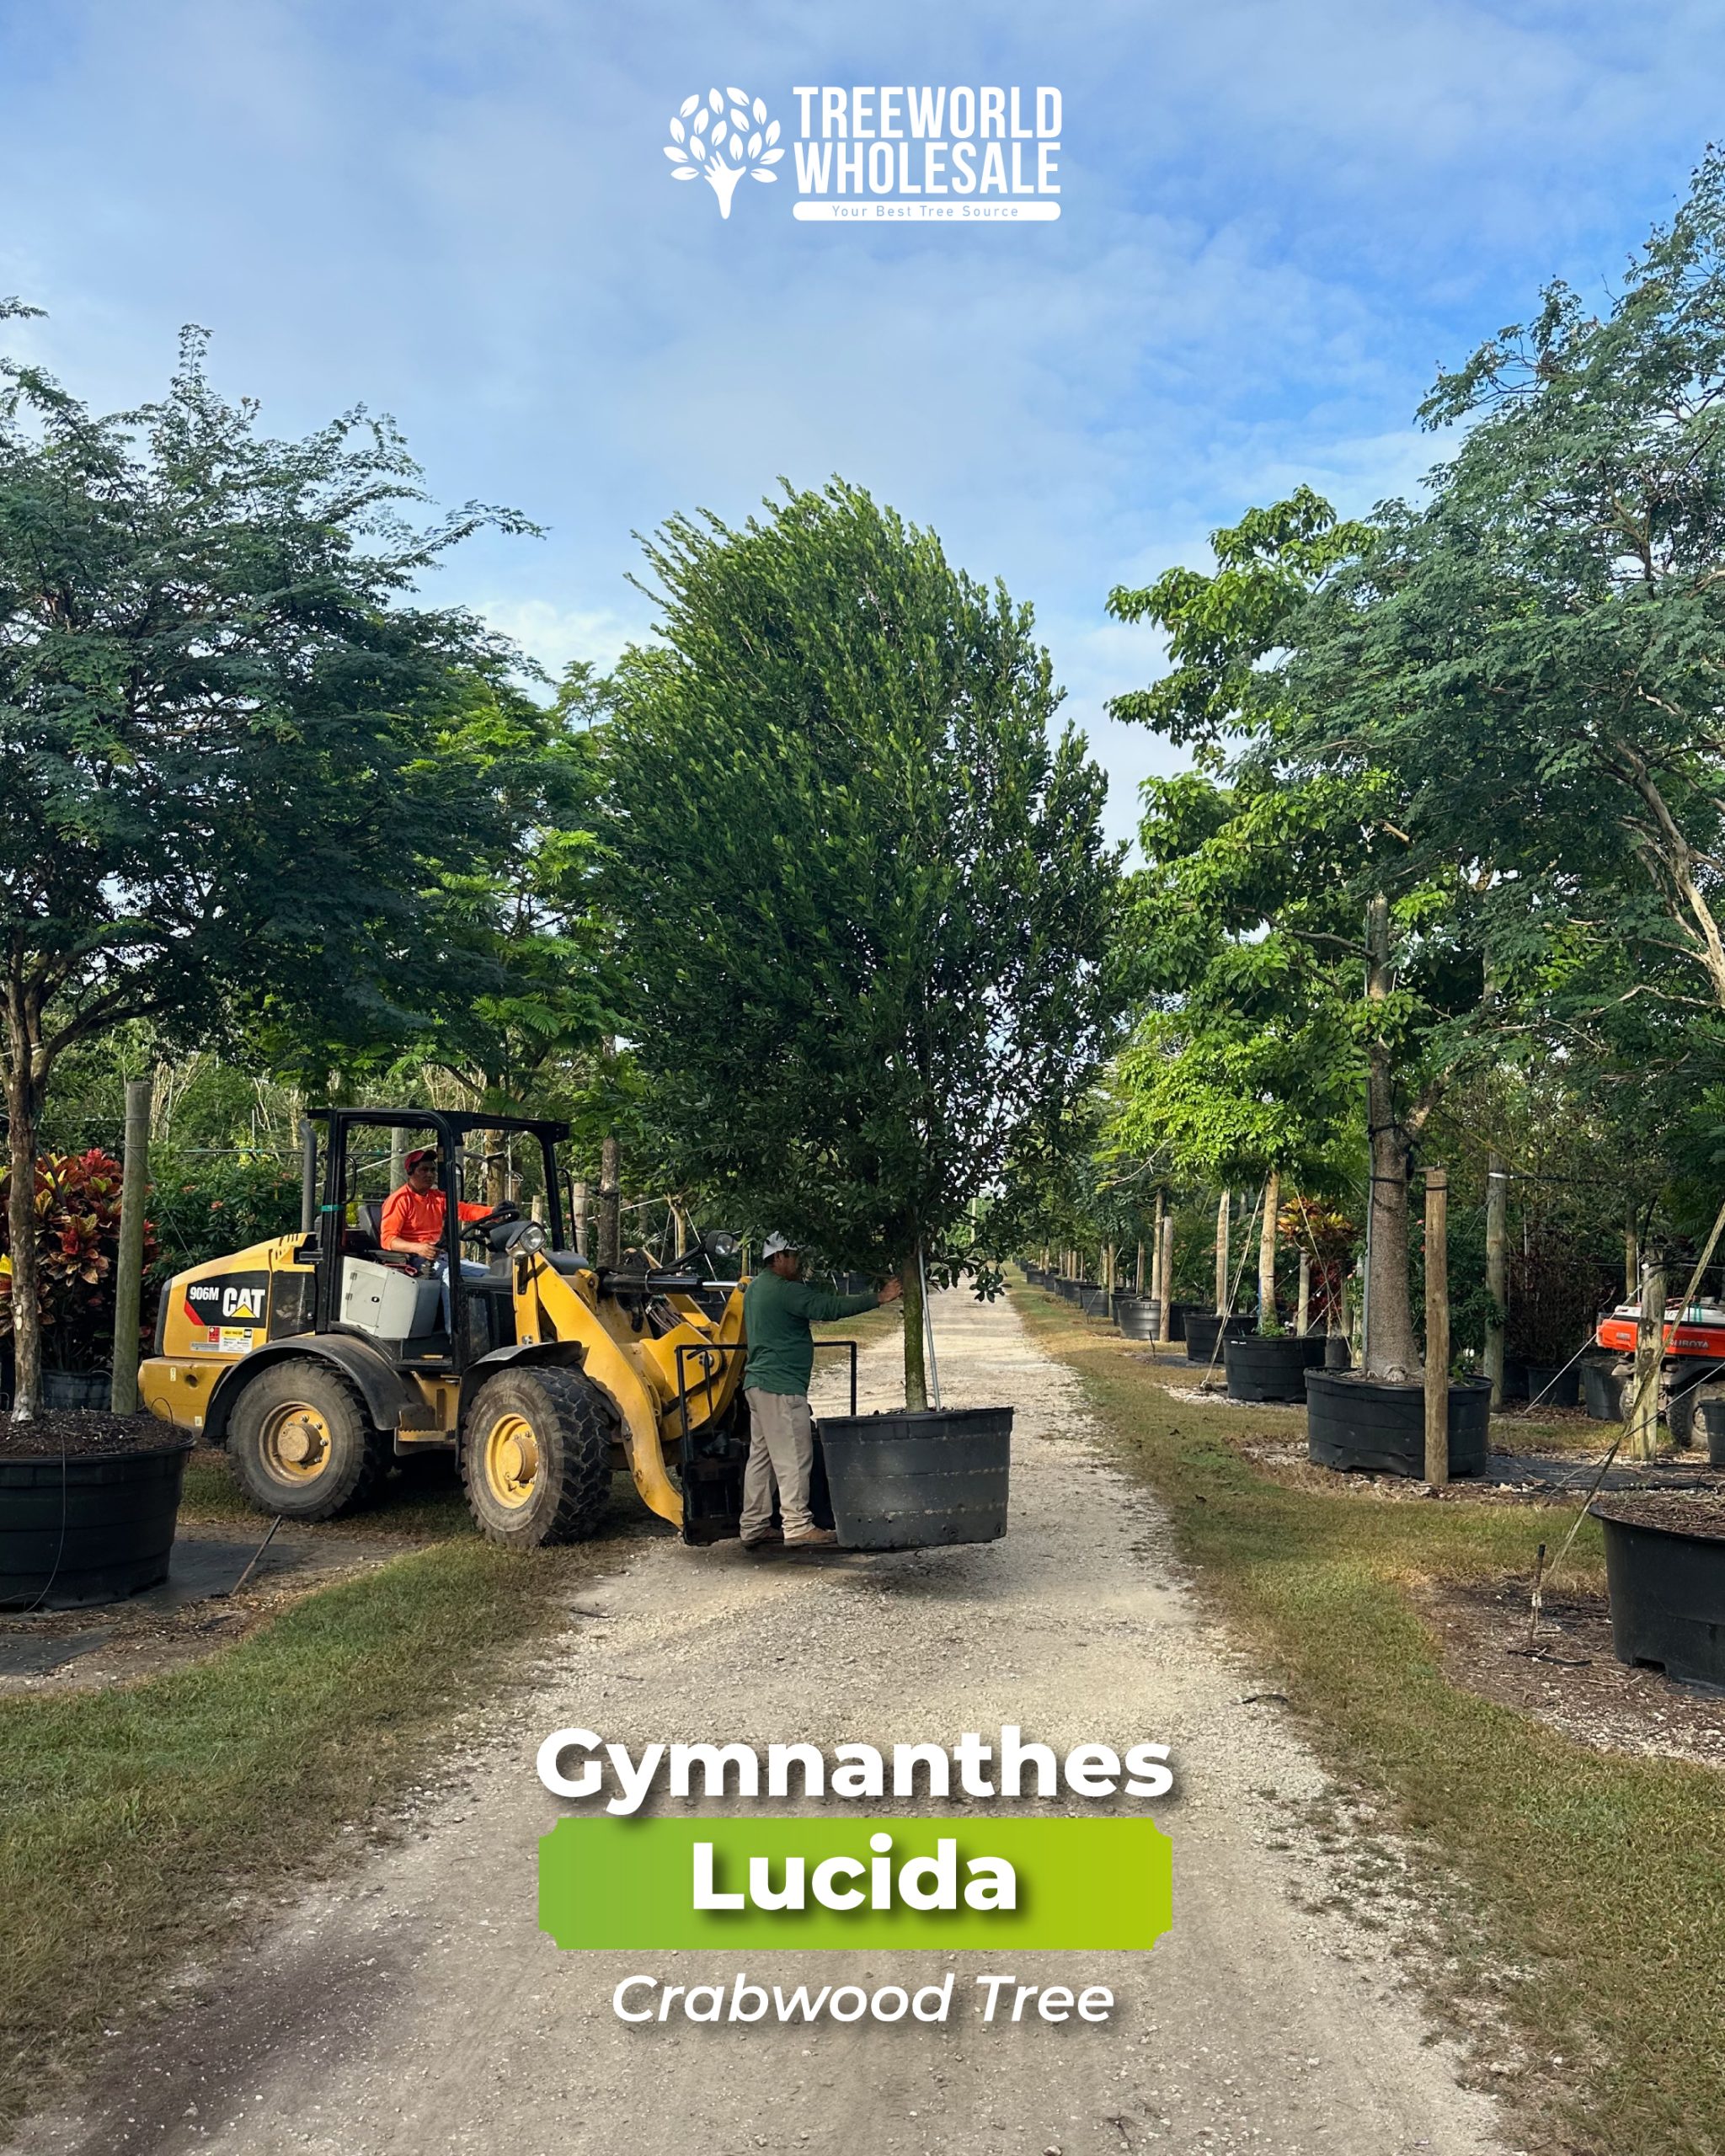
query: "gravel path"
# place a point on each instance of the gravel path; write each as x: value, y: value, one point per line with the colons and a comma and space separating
x: 414, y: 2009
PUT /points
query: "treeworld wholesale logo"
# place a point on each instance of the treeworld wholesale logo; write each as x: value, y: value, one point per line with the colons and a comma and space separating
x: 891, y: 152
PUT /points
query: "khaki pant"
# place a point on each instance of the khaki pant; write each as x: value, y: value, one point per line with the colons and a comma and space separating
x: 782, y: 1451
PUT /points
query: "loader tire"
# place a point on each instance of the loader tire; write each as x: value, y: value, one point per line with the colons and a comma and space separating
x: 302, y: 1444
x: 536, y: 1458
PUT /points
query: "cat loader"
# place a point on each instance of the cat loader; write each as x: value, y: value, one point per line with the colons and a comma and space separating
x: 318, y: 1359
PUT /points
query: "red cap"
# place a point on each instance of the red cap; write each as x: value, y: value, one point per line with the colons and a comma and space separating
x: 411, y: 1160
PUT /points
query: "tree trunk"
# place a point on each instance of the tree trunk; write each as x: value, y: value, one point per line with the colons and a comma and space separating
x: 1437, y: 1326
x: 1302, y: 1314
x: 398, y: 1159
x: 916, y: 1368
x: 609, y: 1202
x: 581, y: 1225
x: 1391, y: 1352
x: 1138, y: 1273
x: 1497, y: 1269
x: 1268, y: 1320
x: 1164, y: 1327
x: 21, y: 1235
x: 1631, y: 1262
x: 1642, y: 1439
x: 1222, y: 1209
x: 129, y: 1273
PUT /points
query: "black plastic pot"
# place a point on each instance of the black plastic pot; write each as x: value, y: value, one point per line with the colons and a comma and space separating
x: 1337, y: 1354
x: 79, y: 1531
x: 1601, y: 1392
x: 1067, y: 1289
x: 1177, y: 1315
x: 1138, y: 1316
x: 1712, y: 1415
x: 1092, y: 1298
x: 1202, y: 1328
x: 1668, y: 1598
x: 1379, y: 1429
x: 1271, y: 1367
x: 1553, y: 1385
x: 77, y: 1389
x: 915, y: 1481
x: 1515, y: 1380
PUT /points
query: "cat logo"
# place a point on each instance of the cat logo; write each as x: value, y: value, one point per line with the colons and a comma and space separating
x: 228, y: 1312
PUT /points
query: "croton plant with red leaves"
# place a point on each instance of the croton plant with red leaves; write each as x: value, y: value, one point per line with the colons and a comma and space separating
x: 78, y: 1242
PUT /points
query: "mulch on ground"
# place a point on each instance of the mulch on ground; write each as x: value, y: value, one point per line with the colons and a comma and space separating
x: 86, y: 1434
x: 1572, y: 1682
x: 1702, y: 1513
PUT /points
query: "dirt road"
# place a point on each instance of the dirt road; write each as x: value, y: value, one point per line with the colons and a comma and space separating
x: 415, y: 2008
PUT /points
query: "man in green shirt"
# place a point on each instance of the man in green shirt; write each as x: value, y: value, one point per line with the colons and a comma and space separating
x: 777, y: 1309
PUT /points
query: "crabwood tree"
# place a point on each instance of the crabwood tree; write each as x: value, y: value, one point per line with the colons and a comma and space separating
x: 1293, y: 865
x: 216, y: 724
x: 869, y: 896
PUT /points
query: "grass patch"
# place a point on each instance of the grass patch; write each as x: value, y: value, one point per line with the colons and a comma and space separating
x: 128, y: 1817
x: 1597, y: 1877
x: 425, y: 1504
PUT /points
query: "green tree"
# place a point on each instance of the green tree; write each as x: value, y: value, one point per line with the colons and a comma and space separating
x: 1296, y: 884
x: 218, y: 703
x: 1538, y: 650
x: 869, y: 896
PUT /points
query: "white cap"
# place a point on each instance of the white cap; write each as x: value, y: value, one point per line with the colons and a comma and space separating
x: 774, y: 1243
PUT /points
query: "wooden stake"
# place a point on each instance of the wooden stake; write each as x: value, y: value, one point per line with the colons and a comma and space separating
x: 1643, y: 1417
x: 129, y: 1270
x: 1302, y: 1315
x: 1222, y: 1215
x: 1497, y: 1269
x: 1164, y: 1322
x: 1437, y: 1326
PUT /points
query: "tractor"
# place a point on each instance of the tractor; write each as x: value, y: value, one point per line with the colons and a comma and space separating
x: 319, y: 1359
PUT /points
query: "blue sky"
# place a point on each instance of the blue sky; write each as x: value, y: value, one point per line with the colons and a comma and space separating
x: 1279, y: 217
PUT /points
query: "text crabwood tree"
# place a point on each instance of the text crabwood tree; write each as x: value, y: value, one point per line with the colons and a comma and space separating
x: 214, y: 722
x: 869, y: 897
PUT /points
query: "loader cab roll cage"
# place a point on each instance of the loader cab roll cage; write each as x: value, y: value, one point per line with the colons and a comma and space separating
x: 326, y: 1187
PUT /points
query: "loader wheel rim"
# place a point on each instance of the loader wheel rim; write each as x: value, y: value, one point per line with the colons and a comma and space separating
x: 510, y: 1459
x: 296, y: 1443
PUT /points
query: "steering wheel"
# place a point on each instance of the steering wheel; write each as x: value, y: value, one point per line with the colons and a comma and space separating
x: 499, y: 1216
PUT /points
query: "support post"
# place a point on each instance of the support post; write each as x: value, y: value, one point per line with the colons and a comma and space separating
x: 1222, y: 1216
x: 609, y: 1202
x: 1437, y: 1326
x: 1643, y: 1436
x: 1165, y: 1323
x: 1268, y: 1320
x: 129, y: 1272
x: 397, y: 1158
x: 1497, y: 1269
x: 1302, y: 1316
x: 581, y: 1220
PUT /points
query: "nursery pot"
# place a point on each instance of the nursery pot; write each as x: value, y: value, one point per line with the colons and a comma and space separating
x: 1515, y: 1380
x: 1337, y: 1354
x: 1552, y: 1386
x: 1271, y: 1367
x: 1712, y: 1415
x: 1202, y: 1328
x: 1353, y: 1422
x: 1666, y: 1577
x: 913, y: 1479
x: 81, y: 1530
x: 77, y: 1388
x: 1138, y: 1316
x: 1067, y: 1288
x: 1602, y: 1391
x: 1177, y: 1315
x: 1092, y: 1298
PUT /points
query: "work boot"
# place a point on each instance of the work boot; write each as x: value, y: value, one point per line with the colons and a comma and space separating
x: 812, y: 1538
x: 770, y: 1537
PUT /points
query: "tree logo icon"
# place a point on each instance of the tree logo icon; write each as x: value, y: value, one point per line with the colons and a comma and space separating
x: 721, y: 137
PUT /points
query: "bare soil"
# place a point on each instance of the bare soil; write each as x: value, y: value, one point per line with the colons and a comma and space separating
x: 86, y: 1434
x: 1571, y: 1681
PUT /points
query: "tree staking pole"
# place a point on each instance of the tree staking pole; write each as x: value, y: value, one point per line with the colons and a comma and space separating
x: 1437, y: 1326
x: 1497, y: 1269
x: 1643, y: 1417
x: 129, y: 1273
x: 1222, y: 1210
x: 1165, y: 1323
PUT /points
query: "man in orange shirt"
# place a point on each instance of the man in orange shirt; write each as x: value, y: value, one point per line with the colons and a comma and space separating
x: 413, y: 1218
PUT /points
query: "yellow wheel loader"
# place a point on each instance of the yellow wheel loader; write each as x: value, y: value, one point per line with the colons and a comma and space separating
x: 319, y: 1359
